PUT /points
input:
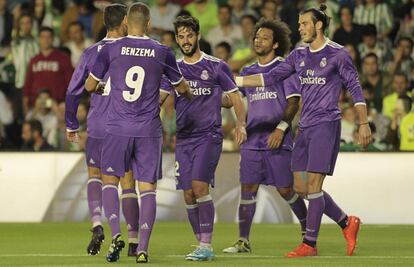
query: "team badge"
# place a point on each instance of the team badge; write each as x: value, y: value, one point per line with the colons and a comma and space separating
x: 323, y: 62
x: 204, y: 75
x: 302, y: 64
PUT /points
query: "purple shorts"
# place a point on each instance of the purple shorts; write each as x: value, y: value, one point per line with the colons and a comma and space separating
x: 197, y: 160
x: 267, y: 167
x: 93, y: 152
x: 143, y: 154
x: 316, y: 148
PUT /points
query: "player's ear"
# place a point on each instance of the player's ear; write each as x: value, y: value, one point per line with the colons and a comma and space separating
x: 275, y: 45
x: 318, y: 25
x: 199, y: 36
x: 149, y: 24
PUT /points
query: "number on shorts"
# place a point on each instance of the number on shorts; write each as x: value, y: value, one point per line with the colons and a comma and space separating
x: 177, y: 166
x: 134, y: 79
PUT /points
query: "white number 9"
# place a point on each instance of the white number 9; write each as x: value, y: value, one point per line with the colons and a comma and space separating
x: 134, y: 79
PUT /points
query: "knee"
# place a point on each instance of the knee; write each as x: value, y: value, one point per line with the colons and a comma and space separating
x: 300, y: 190
x: 286, y: 192
x: 189, y: 197
x: 106, y: 179
x: 127, y: 182
x: 94, y: 173
x: 200, y: 191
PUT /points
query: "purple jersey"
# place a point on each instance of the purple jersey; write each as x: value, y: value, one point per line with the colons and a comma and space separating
x: 208, y: 78
x: 266, y: 106
x: 99, y: 103
x: 322, y: 74
x: 135, y: 66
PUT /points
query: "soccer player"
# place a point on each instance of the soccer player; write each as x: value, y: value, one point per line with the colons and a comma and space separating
x: 133, y: 137
x: 266, y: 155
x: 113, y: 19
x: 322, y: 67
x: 199, y: 133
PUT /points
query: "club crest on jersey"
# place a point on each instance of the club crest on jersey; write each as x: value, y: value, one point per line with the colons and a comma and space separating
x: 323, y: 62
x: 302, y: 64
x: 204, y: 75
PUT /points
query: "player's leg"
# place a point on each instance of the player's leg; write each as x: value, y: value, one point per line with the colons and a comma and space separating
x: 146, y: 169
x: 278, y: 174
x: 94, y: 193
x: 183, y: 166
x: 251, y: 175
x: 205, y: 160
x: 116, y: 155
x: 130, y: 209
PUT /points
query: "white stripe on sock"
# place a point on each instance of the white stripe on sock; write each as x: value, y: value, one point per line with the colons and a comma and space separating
x: 110, y: 186
x: 247, y: 201
x: 94, y: 180
x: 129, y: 195
x: 293, y: 199
x: 204, y: 199
x: 189, y: 207
x: 146, y: 194
x: 315, y: 195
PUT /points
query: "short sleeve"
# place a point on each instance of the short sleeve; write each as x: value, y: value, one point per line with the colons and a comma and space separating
x: 291, y: 86
x: 165, y: 85
x: 225, y: 78
x: 171, y: 70
x: 101, y: 65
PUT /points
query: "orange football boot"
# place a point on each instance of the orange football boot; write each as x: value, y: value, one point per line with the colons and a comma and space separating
x: 351, y: 233
x: 303, y: 250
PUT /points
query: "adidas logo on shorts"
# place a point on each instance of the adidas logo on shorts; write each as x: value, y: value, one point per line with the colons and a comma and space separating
x: 110, y: 169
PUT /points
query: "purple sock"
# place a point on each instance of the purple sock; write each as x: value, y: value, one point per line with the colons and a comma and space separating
x: 192, y: 212
x: 94, y: 195
x: 147, y: 213
x: 314, y: 217
x: 206, y: 218
x: 130, y: 210
x: 332, y: 210
x: 299, y: 209
x: 247, y: 208
x: 111, y: 206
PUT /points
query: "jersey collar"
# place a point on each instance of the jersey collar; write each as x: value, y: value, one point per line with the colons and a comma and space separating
x: 322, y: 47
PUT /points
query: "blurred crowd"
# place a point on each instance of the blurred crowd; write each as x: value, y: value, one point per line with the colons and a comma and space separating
x: 41, y: 42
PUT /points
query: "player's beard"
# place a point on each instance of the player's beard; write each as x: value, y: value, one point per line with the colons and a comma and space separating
x: 312, y: 38
x: 264, y: 52
x: 192, y: 51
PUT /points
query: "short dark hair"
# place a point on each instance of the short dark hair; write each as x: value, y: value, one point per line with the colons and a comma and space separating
x: 408, y: 39
x: 318, y: 15
x: 401, y: 74
x: 46, y: 29
x: 371, y: 54
x: 229, y: 7
x: 225, y: 45
x: 369, y: 30
x: 114, y: 15
x: 187, y: 22
x: 35, y: 125
x: 248, y: 16
x: 139, y: 13
x: 407, y: 102
x: 77, y: 23
x: 345, y: 7
x: 281, y: 33
x: 171, y: 33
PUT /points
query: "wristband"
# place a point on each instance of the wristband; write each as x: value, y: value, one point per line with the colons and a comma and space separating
x: 282, y: 125
x: 239, y: 81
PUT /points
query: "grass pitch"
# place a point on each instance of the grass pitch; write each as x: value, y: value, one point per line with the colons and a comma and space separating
x: 64, y: 244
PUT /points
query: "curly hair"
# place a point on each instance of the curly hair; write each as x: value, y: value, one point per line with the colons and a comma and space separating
x: 281, y: 34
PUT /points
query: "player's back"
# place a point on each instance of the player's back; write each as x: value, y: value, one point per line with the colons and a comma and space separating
x: 136, y: 65
x: 266, y: 106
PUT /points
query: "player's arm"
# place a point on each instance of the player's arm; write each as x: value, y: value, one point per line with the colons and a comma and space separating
x: 99, y: 69
x: 226, y: 101
x: 163, y: 97
x: 73, y: 97
x: 225, y: 79
x: 349, y: 76
x: 173, y: 74
x: 275, y: 75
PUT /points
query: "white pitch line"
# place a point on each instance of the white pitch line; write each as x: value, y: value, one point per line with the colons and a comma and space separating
x: 43, y: 255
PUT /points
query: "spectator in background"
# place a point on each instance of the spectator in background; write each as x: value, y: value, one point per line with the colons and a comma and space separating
x: 353, y: 52
x: 289, y: 15
x: 77, y: 42
x: 84, y: 12
x: 407, y: 130
x: 377, y: 14
x: 6, y: 25
x: 239, y: 9
x: 402, y: 108
x: 226, y: 30
x: 348, y: 124
x: 32, y: 135
x: 271, y: 9
x: 45, y: 112
x: 6, y: 115
x: 372, y: 75
x: 402, y: 62
x: 168, y: 118
x: 348, y: 32
x: 51, y: 69
x: 223, y: 51
x: 243, y: 52
x: 380, y: 121
x: 206, y: 13
x: 42, y: 16
x: 163, y: 14
x: 370, y: 44
x: 168, y: 39
x: 400, y: 89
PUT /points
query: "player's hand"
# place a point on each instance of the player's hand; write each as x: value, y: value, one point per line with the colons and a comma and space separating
x: 364, y: 134
x: 275, y: 139
x: 240, y: 134
x: 100, y: 88
x: 72, y: 137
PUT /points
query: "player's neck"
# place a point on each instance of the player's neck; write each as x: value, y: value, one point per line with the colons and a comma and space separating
x: 263, y: 60
x: 136, y: 32
x: 114, y: 34
x: 194, y: 58
x: 318, y: 43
